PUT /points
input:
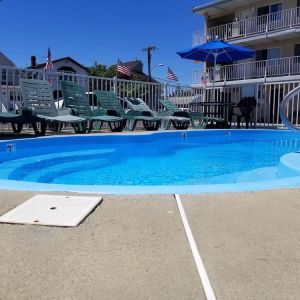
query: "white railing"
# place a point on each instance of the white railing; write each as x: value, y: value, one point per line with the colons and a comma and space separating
x: 266, y: 112
x: 287, y: 66
x: 290, y: 99
x: 254, y: 26
x: 198, y: 38
x: 268, y: 95
x: 151, y: 92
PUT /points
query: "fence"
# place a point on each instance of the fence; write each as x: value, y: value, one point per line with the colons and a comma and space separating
x: 267, y: 95
x: 150, y: 92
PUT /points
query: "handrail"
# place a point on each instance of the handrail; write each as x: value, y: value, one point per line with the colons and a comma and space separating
x: 259, y: 24
x: 282, y: 106
x: 285, y: 66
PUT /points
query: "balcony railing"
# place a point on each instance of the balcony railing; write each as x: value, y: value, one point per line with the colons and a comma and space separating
x: 287, y: 66
x: 254, y: 26
x: 198, y: 38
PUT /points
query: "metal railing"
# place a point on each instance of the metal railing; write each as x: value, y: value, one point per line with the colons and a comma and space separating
x: 281, y: 20
x: 287, y: 66
x: 284, y: 111
x: 198, y: 38
x: 266, y: 114
x: 150, y: 92
x: 268, y: 97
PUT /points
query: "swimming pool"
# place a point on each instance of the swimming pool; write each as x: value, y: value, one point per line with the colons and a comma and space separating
x: 160, y: 162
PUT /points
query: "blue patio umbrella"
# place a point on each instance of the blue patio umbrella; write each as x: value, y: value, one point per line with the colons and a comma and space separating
x: 216, y: 52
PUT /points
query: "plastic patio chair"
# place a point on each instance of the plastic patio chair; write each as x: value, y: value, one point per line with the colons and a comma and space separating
x: 111, y: 103
x: 75, y: 99
x: 38, y: 104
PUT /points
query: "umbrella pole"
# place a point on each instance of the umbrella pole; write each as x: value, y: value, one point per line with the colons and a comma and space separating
x: 214, y: 74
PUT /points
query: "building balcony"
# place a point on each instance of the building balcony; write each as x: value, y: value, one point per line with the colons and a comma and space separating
x: 198, y: 38
x: 278, y: 23
x: 259, y: 70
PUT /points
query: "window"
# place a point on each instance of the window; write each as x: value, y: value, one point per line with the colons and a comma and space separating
x: 274, y: 10
x: 297, y: 50
x: 264, y: 10
x: 262, y: 54
x: 66, y: 69
x: 268, y: 54
x: 274, y: 55
x: 297, y: 53
x: 3, y: 76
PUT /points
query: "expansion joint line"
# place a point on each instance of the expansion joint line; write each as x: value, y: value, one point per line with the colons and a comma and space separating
x: 209, y: 292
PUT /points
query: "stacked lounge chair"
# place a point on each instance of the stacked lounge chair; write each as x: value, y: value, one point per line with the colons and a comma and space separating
x: 179, y: 120
x: 75, y: 99
x: 111, y: 103
x: 39, y: 107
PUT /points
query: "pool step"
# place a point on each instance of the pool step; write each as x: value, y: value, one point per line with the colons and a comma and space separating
x: 289, y: 165
x: 48, y: 166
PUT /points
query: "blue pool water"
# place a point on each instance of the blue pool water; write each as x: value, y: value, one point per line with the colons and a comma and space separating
x: 187, y: 161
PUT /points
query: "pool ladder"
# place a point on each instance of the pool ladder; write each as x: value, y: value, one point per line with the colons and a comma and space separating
x: 283, y: 109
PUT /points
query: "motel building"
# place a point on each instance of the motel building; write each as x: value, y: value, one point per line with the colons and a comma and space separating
x: 273, y: 30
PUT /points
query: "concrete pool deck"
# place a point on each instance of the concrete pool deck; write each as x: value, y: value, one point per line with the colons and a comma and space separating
x: 135, y: 247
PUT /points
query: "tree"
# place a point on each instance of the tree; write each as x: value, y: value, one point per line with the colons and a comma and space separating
x: 98, y: 70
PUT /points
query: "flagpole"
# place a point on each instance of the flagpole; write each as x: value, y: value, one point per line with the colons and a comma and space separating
x: 117, y: 69
x: 115, y: 79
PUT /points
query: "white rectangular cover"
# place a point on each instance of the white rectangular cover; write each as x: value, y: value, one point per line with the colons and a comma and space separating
x: 52, y: 210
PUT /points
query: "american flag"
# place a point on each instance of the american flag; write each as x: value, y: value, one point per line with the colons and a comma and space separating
x: 121, y: 68
x: 171, y: 75
x: 49, y: 64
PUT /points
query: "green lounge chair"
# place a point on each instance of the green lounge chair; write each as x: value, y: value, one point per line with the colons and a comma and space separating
x: 198, y: 120
x: 39, y: 104
x: 17, y: 120
x: 75, y: 98
x: 111, y: 103
x: 179, y: 120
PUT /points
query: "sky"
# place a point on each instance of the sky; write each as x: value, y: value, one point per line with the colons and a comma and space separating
x: 92, y: 31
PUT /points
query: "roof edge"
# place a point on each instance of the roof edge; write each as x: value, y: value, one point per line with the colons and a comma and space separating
x: 208, y: 5
x: 60, y: 59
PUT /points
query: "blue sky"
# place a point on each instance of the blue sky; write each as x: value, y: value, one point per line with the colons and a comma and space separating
x: 102, y: 31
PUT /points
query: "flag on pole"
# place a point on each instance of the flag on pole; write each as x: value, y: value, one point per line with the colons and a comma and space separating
x: 49, y: 64
x: 171, y: 75
x: 122, y: 69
